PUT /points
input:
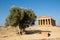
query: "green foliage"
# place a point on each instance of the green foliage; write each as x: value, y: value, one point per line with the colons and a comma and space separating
x: 21, y: 17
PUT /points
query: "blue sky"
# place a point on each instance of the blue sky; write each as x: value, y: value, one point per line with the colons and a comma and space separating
x: 40, y: 7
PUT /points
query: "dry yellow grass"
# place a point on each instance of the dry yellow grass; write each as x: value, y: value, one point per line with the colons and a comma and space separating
x: 8, y: 33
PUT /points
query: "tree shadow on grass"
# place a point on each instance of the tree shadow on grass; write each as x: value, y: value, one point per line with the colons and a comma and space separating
x: 36, y: 31
x: 32, y: 31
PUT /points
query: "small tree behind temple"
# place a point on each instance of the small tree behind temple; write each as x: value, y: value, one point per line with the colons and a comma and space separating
x: 21, y: 17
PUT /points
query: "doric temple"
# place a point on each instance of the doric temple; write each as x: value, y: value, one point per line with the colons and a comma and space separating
x: 46, y: 21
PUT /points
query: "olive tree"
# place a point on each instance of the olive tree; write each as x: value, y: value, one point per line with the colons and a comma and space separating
x: 20, y: 17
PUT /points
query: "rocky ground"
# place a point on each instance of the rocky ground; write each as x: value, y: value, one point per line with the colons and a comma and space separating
x: 8, y: 33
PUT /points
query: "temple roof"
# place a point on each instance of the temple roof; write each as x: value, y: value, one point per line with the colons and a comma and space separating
x: 45, y: 17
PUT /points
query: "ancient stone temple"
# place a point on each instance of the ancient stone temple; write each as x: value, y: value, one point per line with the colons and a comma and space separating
x: 46, y: 21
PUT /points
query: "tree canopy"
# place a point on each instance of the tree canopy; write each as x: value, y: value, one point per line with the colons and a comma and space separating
x: 21, y: 17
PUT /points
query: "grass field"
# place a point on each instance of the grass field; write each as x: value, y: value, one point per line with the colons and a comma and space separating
x: 7, y: 33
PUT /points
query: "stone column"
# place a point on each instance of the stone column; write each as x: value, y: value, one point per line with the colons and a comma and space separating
x: 53, y: 22
x: 45, y: 21
x: 39, y: 22
x: 42, y: 22
x: 49, y: 21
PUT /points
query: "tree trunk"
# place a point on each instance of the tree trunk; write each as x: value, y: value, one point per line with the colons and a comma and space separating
x: 22, y: 30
